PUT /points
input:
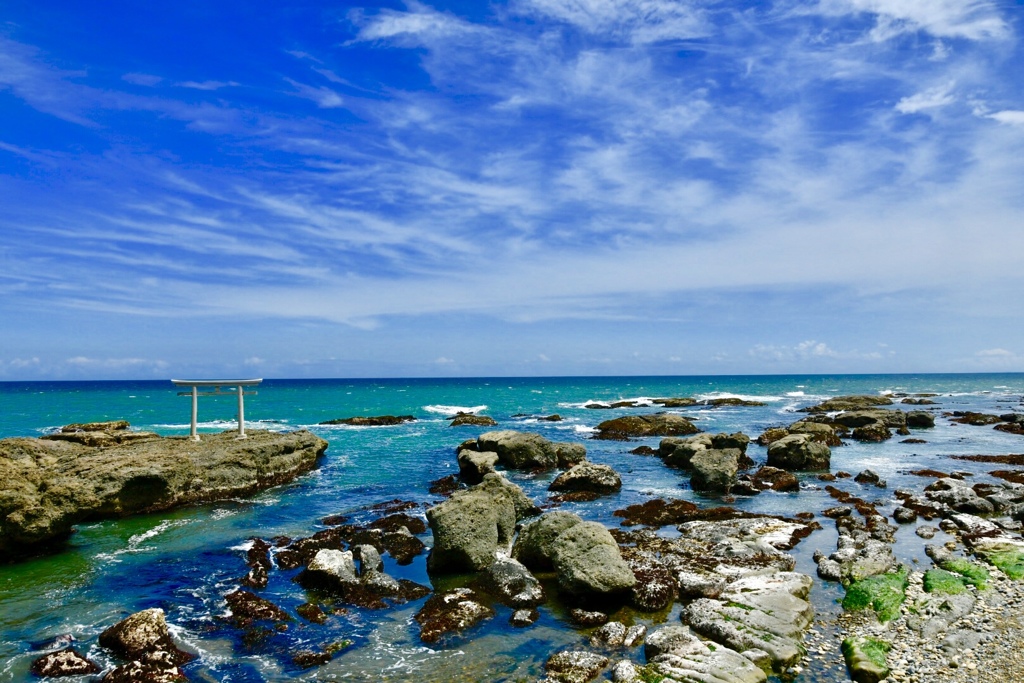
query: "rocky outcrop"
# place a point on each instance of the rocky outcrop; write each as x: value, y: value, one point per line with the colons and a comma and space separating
x: 848, y: 403
x: 519, y: 450
x: 588, y: 476
x: 99, y: 434
x: 66, y: 662
x: 799, y: 452
x: 372, y: 421
x: 473, y: 465
x: 533, y: 546
x: 589, y: 563
x: 48, y: 485
x: 471, y: 420
x: 574, y: 666
x: 569, y: 454
x: 144, y: 639
x: 450, y: 612
x: 472, y: 525
x: 675, y: 652
x: 714, y: 470
x: 768, y: 613
x: 864, y: 549
x: 679, y: 452
x: 512, y: 583
x: 636, y: 426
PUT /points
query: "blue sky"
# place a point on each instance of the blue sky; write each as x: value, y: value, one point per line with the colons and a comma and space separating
x: 532, y: 187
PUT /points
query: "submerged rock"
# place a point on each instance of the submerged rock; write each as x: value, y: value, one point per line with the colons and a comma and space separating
x: 67, y: 662
x: 49, y: 485
x: 449, y: 613
x: 575, y: 666
x: 374, y: 421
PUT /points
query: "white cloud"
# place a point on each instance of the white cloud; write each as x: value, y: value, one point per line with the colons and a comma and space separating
x: 148, y: 80
x: 324, y: 97
x: 1013, y: 117
x: 929, y: 99
x: 444, y: 361
x: 969, y: 19
x: 206, y: 85
x: 806, y: 351
x: 638, y: 21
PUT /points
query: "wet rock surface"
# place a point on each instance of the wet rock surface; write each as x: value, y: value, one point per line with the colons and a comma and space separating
x: 635, y: 426
x: 49, y: 485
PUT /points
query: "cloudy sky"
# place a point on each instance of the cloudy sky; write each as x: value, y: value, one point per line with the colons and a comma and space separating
x: 530, y: 187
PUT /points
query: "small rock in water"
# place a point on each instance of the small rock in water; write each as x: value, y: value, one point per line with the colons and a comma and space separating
x: 584, y: 618
x: 67, y: 662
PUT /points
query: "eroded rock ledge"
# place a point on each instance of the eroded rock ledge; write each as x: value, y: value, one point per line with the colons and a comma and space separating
x: 103, y: 470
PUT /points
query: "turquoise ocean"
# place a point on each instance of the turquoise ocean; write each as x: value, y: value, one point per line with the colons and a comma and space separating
x: 185, y: 561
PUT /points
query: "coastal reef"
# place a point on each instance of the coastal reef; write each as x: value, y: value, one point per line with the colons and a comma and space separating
x: 96, y: 471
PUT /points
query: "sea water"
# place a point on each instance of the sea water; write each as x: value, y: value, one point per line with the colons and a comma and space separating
x: 186, y: 560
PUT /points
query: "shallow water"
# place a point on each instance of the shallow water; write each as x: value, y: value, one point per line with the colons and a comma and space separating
x: 186, y: 561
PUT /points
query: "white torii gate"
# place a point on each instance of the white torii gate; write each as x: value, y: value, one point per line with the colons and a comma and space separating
x: 239, y: 385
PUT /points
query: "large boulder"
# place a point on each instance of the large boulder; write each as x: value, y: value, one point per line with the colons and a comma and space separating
x: 49, y: 485
x: 534, y: 545
x: 799, y: 452
x: 473, y: 465
x: 474, y: 524
x: 678, y: 452
x: 569, y: 454
x: 655, y: 424
x: 818, y: 431
x: 330, y: 569
x: 588, y: 476
x: 589, y: 563
x: 519, y: 450
x: 714, y: 469
x: 920, y: 419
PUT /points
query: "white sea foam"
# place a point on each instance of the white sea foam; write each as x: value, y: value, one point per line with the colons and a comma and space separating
x: 795, y: 394
x: 583, y: 429
x: 135, y: 543
x: 452, y: 410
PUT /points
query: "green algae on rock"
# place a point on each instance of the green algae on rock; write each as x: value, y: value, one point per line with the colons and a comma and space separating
x: 866, y: 659
x: 884, y: 593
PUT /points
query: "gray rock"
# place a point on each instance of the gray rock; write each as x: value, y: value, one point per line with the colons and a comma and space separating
x: 611, y: 634
x: 678, y: 452
x: 635, y: 635
x: 655, y: 424
x: 588, y: 476
x: 569, y: 454
x: 522, y: 618
x: 519, y: 450
x: 67, y: 662
x: 588, y: 561
x: 769, y: 613
x: 50, y: 485
x: 904, y: 515
x: 473, y: 465
x: 959, y: 496
x: 450, y: 612
x: 575, y: 666
x: 533, y: 547
x: 684, y: 657
x: 625, y: 671
x: 512, y: 583
x: 472, y: 525
x: 369, y: 559
x: 920, y: 419
x: 330, y: 568
x: 715, y: 469
x: 143, y: 634
x: 799, y: 452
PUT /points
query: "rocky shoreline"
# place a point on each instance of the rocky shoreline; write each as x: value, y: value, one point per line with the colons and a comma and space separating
x: 93, y: 471
x: 745, y: 612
